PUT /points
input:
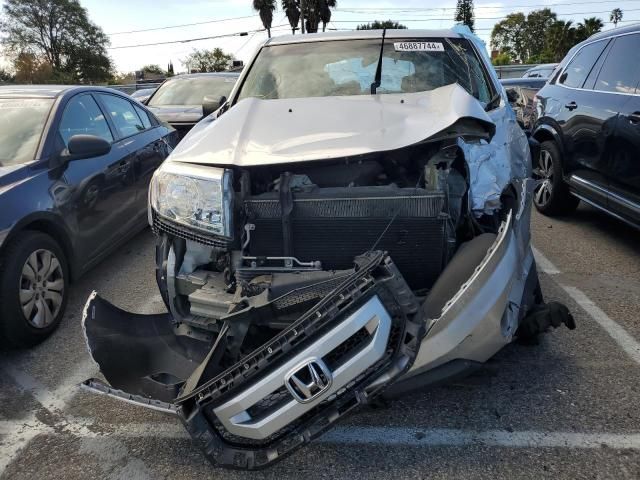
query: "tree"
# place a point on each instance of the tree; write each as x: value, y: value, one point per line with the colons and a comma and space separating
x: 170, y: 69
x: 537, y: 24
x: 464, y: 13
x: 615, y: 16
x: 265, y: 8
x: 292, y: 11
x: 207, y: 60
x: 509, y: 35
x: 561, y: 36
x: 153, y: 68
x: 325, y: 12
x: 501, y: 59
x: 588, y: 27
x: 378, y: 25
x: 57, y: 33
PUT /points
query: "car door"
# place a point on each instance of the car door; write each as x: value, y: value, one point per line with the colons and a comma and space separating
x: 587, y: 119
x: 619, y: 77
x: 143, y: 141
x: 103, y: 187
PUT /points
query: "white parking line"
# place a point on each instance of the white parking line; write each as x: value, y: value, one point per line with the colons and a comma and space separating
x: 629, y: 344
x: 543, y: 263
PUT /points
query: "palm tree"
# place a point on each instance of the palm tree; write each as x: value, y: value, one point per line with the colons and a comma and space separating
x: 616, y: 16
x: 292, y: 11
x: 325, y: 12
x: 265, y: 8
x: 561, y: 36
x: 588, y: 27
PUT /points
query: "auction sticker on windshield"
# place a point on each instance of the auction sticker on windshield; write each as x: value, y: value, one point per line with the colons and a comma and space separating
x: 418, y: 47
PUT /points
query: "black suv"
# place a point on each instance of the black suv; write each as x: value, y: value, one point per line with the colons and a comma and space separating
x: 588, y: 123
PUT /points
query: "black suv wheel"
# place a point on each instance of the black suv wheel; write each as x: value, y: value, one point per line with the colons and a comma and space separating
x: 551, y: 196
x: 34, y: 280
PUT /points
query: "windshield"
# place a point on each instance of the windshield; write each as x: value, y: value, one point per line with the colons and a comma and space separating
x: 191, y: 91
x: 21, y: 124
x: 348, y: 67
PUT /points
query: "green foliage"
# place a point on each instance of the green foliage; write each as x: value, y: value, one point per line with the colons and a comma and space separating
x: 464, y: 14
x: 540, y: 37
x: 153, y: 68
x: 378, y: 25
x: 265, y: 9
x: 207, y: 60
x: 502, y: 59
x: 615, y: 16
x: 54, y: 36
x: 291, y: 9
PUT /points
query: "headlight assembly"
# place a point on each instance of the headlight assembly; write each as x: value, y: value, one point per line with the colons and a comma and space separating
x: 195, y: 196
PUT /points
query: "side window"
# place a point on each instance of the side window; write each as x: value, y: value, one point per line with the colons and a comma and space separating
x: 143, y: 116
x: 578, y: 69
x: 82, y: 116
x: 620, y: 71
x: 123, y: 114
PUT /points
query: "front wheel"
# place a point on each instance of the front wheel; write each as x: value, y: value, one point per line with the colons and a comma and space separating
x: 551, y: 195
x: 34, y: 280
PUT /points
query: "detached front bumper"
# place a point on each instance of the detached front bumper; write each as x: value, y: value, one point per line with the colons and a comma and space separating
x: 368, y: 335
x: 339, y: 354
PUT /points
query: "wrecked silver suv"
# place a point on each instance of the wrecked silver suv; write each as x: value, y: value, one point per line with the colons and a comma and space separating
x: 353, y: 220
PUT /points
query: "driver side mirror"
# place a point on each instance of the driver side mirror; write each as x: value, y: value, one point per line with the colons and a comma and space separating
x: 86, y: 146
x: 211, y: 103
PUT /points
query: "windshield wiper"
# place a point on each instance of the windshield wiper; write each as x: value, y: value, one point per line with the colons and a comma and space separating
x: 378, y: 78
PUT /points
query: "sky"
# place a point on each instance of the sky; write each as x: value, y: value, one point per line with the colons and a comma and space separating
x: 119, y: 16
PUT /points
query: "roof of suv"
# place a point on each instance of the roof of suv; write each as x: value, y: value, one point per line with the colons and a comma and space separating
x: 35, y: 91
x: 615, y: 31
x: 362, y: 34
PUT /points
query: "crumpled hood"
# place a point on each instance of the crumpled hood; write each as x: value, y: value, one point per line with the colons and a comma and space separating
x: 178, y: 113
x: 260, y: 132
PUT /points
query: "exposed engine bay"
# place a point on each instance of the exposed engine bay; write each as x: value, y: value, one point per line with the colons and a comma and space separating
x: 302, y: 226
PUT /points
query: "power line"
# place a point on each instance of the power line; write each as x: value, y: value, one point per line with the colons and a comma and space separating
x: 187, y: 40
x: 166, y: 27
x: 414, y: 9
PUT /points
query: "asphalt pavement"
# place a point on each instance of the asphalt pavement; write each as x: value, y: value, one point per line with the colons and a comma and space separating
x: 568, y: 407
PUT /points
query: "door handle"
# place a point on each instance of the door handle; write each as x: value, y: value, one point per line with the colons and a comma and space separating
x: 634, y: 117
x: 571, y: 106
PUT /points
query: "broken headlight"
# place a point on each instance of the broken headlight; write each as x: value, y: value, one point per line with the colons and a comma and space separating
x: 195, y: 196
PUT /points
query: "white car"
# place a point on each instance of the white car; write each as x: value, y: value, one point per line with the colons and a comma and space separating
x: 353, y: 221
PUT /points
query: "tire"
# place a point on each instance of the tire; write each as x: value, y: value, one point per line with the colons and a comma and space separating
x: 32, y: 303
x: 551, y: 197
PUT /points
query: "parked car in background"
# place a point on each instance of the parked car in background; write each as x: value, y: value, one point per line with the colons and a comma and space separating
x: 544, y: 70
x: 143, y: 94
x: 588, y: 121
x: 521, y: 93
x: 75, y: 164
x: 183, y: 100
x: 352, y: 222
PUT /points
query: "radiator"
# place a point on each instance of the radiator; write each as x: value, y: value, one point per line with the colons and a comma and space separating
x: 335, y: 225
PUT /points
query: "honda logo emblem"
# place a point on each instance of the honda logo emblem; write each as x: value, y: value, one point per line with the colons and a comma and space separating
x: 308, y: 381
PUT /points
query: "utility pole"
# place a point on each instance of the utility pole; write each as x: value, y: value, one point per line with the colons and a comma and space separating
x: 302, y: 16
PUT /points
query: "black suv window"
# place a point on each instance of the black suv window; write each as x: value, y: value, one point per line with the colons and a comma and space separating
x: 83, y: 116
x: 621, y: 68
x: 123, y: 114
x: 579, y: 67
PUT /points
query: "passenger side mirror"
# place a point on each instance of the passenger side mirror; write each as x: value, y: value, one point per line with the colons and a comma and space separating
x: 211, y: 103
x: 512, y: 95
x: 86, y: 146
